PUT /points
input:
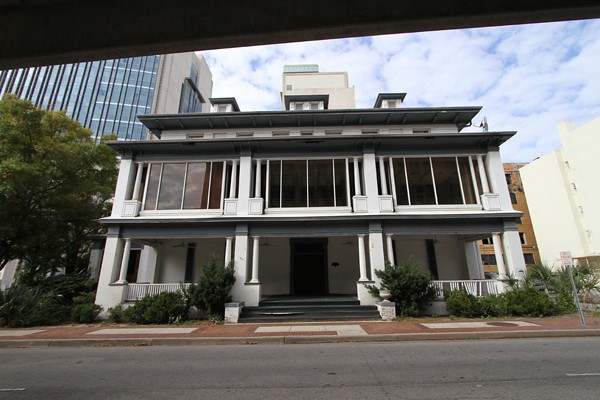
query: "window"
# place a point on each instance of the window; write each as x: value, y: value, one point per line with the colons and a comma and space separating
x: 488, y: 259
x: 522, y: 238
x: 307, y: 183
x: 434, y: 181
x: 513, y: 197
x: 298, y: 106
x: 288, y: 87
x: 529, y: 259
x: 222, y: 108
x: 487, y: 241
x: 193, y: 185
x: 391, y: 104
x: 508, y: 179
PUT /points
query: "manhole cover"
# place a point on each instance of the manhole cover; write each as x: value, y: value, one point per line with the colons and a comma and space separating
x: 502, y: 324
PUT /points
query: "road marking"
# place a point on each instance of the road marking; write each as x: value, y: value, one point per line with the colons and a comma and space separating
x: 20, y: 332
x: 585, y: 374
x: 12, y: 390
x: 141, y: 331
x: 490, y: 324
x: 341, y: 330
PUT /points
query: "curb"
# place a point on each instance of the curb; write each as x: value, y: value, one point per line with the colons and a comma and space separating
x: 283, y: 340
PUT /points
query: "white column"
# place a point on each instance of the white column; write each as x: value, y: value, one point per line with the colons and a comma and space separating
x: 257, y: 180
x: 390, y: 248
x: 255, y: 247
x: 244, y: 188
x: 228, y: 247
x: 124, y: 186
x: 382, y: 177
x: 513, y: 252
x: 362, y: 258
x: 233, y: 183
x: 357, y: 189
x: 125, y: 261
x: 138, y: 182
x: 482, y: 175
x: 370, y: 181
x: 499, y: 255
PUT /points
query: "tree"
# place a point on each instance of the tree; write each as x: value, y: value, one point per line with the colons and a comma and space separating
x: 53, y: 186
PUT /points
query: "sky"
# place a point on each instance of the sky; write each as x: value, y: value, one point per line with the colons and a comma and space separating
x: 527, y: 78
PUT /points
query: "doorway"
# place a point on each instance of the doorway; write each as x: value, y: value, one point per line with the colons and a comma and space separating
x: 309, y: 267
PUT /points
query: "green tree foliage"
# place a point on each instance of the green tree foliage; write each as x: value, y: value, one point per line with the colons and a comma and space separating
x: 54, y: 179
x: 212, y: 290
x: 409, y: 287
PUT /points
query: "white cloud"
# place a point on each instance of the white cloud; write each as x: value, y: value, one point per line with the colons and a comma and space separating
x: 527, y: 78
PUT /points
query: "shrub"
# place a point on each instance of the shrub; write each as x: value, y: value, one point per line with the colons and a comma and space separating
x: 23, y: 306
x: 409, y: 287
x: 527, y: 301
x: 462, y: 304
x: 212, y: 290
x: 116, y: 314
x: 163, y: 308
x: 493, y: 306
x: 85, y: 313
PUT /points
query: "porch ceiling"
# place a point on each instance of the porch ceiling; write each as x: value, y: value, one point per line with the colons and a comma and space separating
x: 318, y: 226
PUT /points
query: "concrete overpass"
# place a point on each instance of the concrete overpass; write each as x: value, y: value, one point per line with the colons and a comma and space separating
x: 39, y: 32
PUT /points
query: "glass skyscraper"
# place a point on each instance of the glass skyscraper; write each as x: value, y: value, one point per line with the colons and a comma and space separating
x: 106, y: 96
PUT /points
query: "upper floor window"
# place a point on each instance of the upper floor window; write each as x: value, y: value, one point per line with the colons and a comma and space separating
x: 191, y: 185
x: 434, y: 181
x: 307, y: 183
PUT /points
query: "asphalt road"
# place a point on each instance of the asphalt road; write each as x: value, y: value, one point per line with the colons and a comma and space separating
x: 502, y: 369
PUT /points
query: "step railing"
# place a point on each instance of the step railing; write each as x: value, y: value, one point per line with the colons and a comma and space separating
x: 136, y: 291
x: 477, y: 288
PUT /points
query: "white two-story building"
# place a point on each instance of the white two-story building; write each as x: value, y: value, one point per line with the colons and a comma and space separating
x: 308, y: 201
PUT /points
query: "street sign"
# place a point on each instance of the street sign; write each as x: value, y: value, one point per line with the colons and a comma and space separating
x: 565, y: 258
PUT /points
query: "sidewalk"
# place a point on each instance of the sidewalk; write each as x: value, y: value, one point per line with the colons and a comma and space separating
x: 324, y: 332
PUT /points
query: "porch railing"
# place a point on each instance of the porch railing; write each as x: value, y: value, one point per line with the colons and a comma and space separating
x: 136, y: 291
x: 477, y: 288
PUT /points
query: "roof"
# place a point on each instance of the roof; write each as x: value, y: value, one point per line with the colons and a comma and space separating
x: 459, y: 116
x: 155, y: 149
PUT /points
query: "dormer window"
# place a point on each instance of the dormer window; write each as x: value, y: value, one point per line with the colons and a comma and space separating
x: 311, y: 102
x: 224, y: 104
x: 389, y: 100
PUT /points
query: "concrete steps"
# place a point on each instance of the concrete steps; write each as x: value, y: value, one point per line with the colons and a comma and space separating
x: 305, y: 309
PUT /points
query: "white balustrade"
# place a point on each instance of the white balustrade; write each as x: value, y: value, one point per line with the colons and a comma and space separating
x: 477, y: 288
x: 136, y: 291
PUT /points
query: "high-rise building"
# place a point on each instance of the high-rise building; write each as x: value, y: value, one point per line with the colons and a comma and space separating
x: 106, y: 96
x: 562, y: 189
x: 305, y: 88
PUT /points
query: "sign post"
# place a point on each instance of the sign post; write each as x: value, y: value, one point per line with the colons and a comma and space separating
x: 567, y: 262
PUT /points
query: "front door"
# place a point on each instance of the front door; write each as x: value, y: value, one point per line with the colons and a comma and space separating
x: 309, y: 266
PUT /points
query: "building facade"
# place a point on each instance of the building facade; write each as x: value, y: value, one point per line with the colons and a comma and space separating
x: 518, y: 199
x: 308, y: 202
x: 106, y: 96
x: 563, y: 188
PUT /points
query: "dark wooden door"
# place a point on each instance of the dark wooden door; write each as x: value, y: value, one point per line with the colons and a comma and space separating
x: 309, y: 266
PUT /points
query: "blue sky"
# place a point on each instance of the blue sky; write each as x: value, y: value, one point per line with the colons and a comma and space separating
x: 527, y: 77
